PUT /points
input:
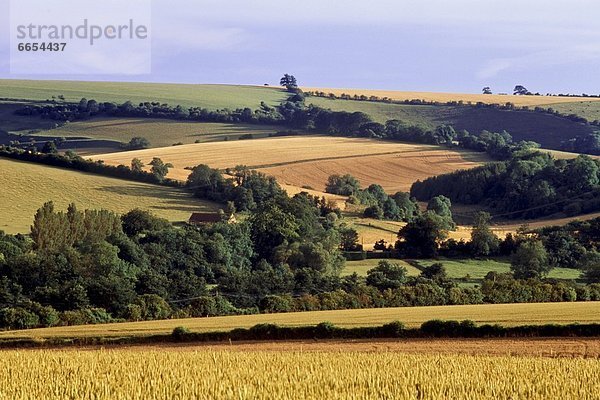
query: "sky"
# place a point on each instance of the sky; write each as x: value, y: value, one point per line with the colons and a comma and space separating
x: 421, y: 45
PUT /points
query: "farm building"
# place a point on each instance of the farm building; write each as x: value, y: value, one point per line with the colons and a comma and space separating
x: 204, y: 218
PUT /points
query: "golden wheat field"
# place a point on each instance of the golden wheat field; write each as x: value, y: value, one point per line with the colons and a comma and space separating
x: 209, y: 374
x: 446, y: 97
x: 310, y: 160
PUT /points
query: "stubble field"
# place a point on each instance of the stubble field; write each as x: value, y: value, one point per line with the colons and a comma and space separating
x: 310, y: 160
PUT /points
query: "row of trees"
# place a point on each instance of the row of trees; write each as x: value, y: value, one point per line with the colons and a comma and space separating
x: 379, y: 205
x: 89, y: 267
x: 529, y: 185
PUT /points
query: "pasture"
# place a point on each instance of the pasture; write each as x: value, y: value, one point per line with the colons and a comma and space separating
x: 588, y: 108
x: 548, y: 130
x: 255, y: 374
x: 477, y: 269
x: 159, y: 132
x: 310, y: 160
x: 187, y: 95
x: 504, y: 314
x: 26, y: 187
x: 361, y: 267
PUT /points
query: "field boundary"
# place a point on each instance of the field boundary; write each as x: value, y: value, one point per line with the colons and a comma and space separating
x: 325, y: 330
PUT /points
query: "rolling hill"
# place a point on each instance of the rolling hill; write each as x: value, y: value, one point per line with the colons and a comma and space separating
x: 310, y: 160
x: 25, y: 187
x: 446, y: 97
x: 160, y: 132
x: 187, y: 95
x: 548, y: 130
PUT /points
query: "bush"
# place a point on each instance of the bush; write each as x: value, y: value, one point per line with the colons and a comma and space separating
x: 439, y: 328
x: 204, y: 306
x: 179, y: 333
x: 394, y: 329
x: 18, y: 318
x: 153, y: 307
x: 275, y: 304
x: 133, y: 312
x: 85, y: 316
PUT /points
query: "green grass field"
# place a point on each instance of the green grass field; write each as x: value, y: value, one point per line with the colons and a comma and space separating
x: 505, y: 314
x: 477, y: 269
x: 159, y: 132
x: 10, y: 122
x: 589, y: 110
x: 363, y: 266
x: 25, y: 187
x: 548, y: 130
x: 207, y: 96
x: 545, y: 129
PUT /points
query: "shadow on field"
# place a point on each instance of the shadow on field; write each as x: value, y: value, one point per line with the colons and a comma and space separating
x: 172, y: 199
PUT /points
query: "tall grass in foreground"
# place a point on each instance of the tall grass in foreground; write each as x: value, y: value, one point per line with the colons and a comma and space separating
x: 208, y: 374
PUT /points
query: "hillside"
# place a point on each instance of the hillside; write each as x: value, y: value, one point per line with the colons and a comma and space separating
x: 465, y: 97
x: 160, y: 132
x: 505, y: 314
x: 310, y: 160
x: 25, y: 187
x: 187, y: 95
x: 587, y: 109
x: 548, y: 130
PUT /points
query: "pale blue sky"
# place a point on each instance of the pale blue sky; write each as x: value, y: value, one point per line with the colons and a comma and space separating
x: 429, y: 45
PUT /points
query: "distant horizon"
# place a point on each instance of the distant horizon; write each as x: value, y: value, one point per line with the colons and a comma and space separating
x: 277, y: 86
x: 429, y: 46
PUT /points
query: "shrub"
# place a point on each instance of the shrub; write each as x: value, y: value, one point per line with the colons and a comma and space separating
x: 18, y: 318
x: 275, y: 304
x: 179, y: 333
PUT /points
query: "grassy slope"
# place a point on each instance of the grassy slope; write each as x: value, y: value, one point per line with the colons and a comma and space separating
x: 505, y: 314
x: 207, y: 96
x: 547, y: 130
x: 25, y: 187
x: 477, y: 269
x: 159, y: 132
x: 363, y: 266
x: 586, y: 109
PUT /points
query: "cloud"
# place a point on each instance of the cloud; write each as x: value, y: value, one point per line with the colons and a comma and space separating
x: 577, y: 54
x: 193, y: 37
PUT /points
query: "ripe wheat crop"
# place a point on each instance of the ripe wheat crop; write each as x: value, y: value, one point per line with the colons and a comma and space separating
x: 210, y: 374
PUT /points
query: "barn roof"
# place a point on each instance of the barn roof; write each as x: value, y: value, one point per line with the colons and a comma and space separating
x: 205, y: 217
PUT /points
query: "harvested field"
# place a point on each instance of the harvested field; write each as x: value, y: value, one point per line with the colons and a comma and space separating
x: 465, y: 97
x: 310, y: 160
x: 504, y: 314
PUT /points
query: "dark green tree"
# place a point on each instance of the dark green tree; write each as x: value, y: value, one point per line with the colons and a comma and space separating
x: 137, y: 165
x: 530, y: 260
x: 387, y: 275
x: 159, y: 168
x: 483, y: 241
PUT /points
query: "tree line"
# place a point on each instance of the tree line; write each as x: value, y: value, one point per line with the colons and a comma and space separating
x: 529, y: 185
